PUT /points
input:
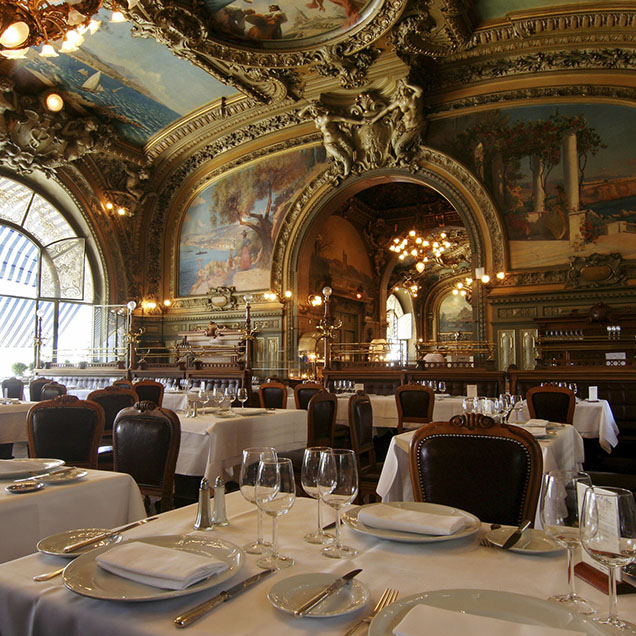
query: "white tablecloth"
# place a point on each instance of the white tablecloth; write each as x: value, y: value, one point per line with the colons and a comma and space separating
x: 49, y: 609
x: 103, y: 499
x: 564, y: 451
x: 13, y: 422
x: 212, y: 445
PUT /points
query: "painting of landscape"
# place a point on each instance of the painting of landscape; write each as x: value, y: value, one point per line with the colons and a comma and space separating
x: 455, y: 314
x: 562, y: 176
x: 228, y: 231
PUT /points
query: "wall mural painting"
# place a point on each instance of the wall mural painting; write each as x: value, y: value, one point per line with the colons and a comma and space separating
x: 340, y: 259
x: 228, y: 231
x: 562, y: 175
x: 455, y: 314
x: 260, y: 21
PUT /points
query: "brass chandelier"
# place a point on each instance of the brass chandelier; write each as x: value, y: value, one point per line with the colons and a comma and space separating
x: 427, y: 248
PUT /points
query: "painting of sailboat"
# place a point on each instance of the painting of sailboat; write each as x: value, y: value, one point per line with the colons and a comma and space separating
x: 92, y: 83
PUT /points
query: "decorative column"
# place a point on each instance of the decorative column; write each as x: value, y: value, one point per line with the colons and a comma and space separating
x: 576, y: 217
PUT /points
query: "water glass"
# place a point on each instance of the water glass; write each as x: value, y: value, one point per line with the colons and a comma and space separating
x: 230, y: 394
x: 242, y: 396
x: 309, y: 481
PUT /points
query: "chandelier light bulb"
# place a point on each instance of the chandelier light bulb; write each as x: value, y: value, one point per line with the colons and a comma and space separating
x: 469, y: 281
x: 420, y: 266
x: 288, y: 294
x: 117, y: 16
x: 54, y: 102
x: 15, y: 35
x: 48, y: 51
x: 412, y: 233
x: 485, y: 279
x: 501, y: 275
x: 455, y: 292
x: 167, y: 303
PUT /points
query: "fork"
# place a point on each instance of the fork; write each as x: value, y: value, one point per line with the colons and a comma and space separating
x: 486, y: 543
x: 388, y: 596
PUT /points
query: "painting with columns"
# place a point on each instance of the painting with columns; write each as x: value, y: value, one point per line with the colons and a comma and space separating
x: 561, y: 175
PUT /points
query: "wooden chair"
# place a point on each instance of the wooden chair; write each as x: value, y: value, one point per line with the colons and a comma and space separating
x: 415, y: 404
x: 146, y: 441
x: 361, y: 429
x: 52, y: 389
x: 13, y: 388
x: 149, y: 390
x: 66, y: 428
x: 552, y: 403
x: 272, y: 395
x: 35, y: 388
x: 123, y: 383
x: 304, y: 392
x: 472, y: 463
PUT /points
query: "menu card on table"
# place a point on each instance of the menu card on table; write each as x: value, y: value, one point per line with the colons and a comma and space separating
x: 471, y: 390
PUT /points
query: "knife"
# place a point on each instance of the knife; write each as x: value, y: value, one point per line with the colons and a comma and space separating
x: 59, y: 471
x: 516, y: 535
x: 197, y: 612
x: 105, y: 535
x: 322, y: 595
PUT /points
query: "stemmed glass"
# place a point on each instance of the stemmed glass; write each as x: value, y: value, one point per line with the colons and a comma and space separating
x: 247, y: 483
x: 218, y: 396
x: 242, y: 396
x: 608, y: 534
x: 338, y: 487
x: 441, y: 385
x: 309, y: 481
x: 559, y: 509
x: 275, y: 494
x: 230, y: 394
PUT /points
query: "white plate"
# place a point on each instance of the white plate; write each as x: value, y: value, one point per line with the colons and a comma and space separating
x: 249, y: 411
x: 351, y: 519
x: 85, y: 577
x: 25, y: 486
x: 504, y: 605
x: 289, y: 594
x: 54, y: 544
x: 532, y: 542
x: 14, y: 468
x: 63, y: 477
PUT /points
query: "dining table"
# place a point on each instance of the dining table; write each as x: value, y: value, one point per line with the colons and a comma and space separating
x: 212, y: 443
x: 13, y: 422
x: 100, y: 499
x: 459, y: 567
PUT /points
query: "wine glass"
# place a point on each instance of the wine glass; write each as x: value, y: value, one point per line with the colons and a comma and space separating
x: 608, y: 534
x: 218, y: 395
x: 242, y: 396
x: 338, y: 487
x: 441, y: 385
x: 309, y: 481
x: 560, y: 504
x: 247, y: 483
x: 275, y: 493
x: 230, y: 394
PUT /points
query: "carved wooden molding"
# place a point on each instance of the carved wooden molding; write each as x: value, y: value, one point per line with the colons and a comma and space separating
x: 595, y: 270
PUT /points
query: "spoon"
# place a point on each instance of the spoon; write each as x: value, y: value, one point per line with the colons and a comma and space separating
x: 48, y: 575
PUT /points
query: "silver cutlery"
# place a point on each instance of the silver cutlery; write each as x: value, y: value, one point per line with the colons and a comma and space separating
x: 516, y: 535
x: 61, y: 471
x: 326, y: 592
x: 48, y: 575
x: 106, y: 535
x: 388, y: 596
x: 200, y: 610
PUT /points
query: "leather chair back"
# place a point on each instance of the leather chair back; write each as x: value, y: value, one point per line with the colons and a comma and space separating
x: 13, y: 388
x: 415, y: 404
x: 304, y: 392
x: 66, y: 428
x: 552, y: 403
x: 52, y: 389
x: 146, y: 442
x: 149, y: 390
x: 112, y: 399
x: 123, y: 383
x: 474, y: 464
x: 272, y: 395
x: 35, y: 388
x: 321, y: 419
x: 361, y: 428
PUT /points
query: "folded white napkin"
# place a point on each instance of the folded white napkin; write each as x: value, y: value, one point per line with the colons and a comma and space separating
x: 432, y: 621
x: 158, y: 566
x: 536, y: 422
x: 392, y: 518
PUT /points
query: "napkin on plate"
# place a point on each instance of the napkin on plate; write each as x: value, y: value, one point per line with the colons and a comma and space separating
x: 536, y: 422
x: 433, y: 621
x: 158, y: 566
x: 392, y: 518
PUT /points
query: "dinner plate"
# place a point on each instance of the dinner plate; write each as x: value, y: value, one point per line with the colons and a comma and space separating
x: 25, y: 486
x: 85, y: 577
x: 350, y: 517
x: 14, y: 468
x: 505, y: 605
x: 532, y: 542
x: 63, y: 477
x: 225, y: 414
x: 289, y: 594
x: 54, y: 544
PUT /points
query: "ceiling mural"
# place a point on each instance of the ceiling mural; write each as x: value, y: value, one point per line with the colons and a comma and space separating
x: 135, y: 81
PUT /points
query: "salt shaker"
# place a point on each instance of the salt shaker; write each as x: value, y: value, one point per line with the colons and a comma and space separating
x: 203, y: 521
x: 219, y: 518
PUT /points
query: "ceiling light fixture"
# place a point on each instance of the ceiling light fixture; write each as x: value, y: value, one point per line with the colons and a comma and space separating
x: 423, y: 248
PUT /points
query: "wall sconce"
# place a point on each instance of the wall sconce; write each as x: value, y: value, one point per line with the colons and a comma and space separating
x: 465, y: 288
x: 273, y: 296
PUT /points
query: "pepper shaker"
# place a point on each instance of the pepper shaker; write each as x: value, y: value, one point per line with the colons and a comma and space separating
x: 219, y: 518
x: 203, y: 521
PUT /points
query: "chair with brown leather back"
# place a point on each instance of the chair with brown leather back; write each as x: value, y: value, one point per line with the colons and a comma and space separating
x: 489, y: 469
x: 552, y: 403
x: 304, y: 391
x: 272, y: 395
x: 52, y: 389
x: 415, y: 405
x: 66, y: 428
x: 13, y: 388
x: 361, y: 429
x: 112, y: 399
x: 35, y: 388
x: 123, y: 383
x: 146, y: 441
x: 149, y: 390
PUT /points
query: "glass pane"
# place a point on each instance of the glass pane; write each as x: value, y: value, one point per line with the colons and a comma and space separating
x: 67, y: 257
x: 14, y: 200
x: 45, y: 223
x: 18, y: 264
x: 75, y: 332
x: 47, y: 311
x: 89, y: 288
x: 17, y: 328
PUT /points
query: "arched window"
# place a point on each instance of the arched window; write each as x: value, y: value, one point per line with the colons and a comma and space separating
x: 394, y: 312
x: 46, y: 282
